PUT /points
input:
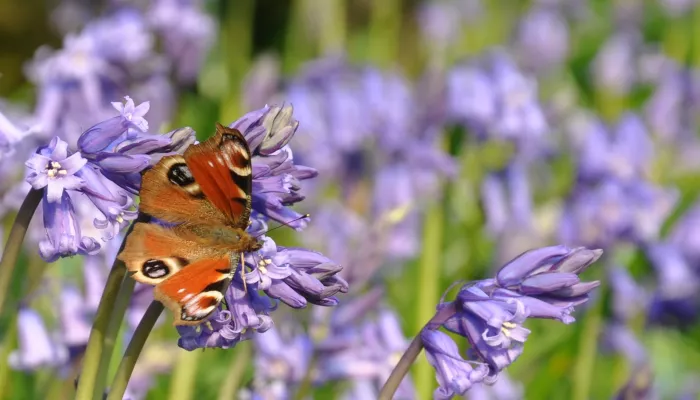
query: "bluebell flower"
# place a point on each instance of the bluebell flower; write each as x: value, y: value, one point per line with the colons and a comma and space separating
x: 282, y: 359
x: 623, y: 153
x: 542, y: 39
x: 37, y: 346
x: 493, y: 99
x: 490, y: 313
x: 614, y: 211
x: 188, y: 45
x: 364, y: 350
x: 76, y: 82
x: 276, y: 177
x: 455, y: 375
x: 105, y: 169
x: 614, y: 67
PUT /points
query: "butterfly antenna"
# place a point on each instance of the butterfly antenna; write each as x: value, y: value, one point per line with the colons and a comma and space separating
x: 284, y: 224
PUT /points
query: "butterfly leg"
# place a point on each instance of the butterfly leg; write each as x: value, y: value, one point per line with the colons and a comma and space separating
x: 245, y: 285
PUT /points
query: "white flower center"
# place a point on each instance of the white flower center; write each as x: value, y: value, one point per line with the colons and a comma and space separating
x: 55, y: 170
x: 262, y: 265
x: 506, y: 327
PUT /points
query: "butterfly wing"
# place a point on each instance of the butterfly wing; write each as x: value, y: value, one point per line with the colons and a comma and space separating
x: 221, y: 166
x: 194, y: 292
x: 170, y: 193
x: 190, y: 278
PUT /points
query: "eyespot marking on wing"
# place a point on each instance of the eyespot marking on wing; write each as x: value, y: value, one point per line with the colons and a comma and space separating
x: 180, y: 175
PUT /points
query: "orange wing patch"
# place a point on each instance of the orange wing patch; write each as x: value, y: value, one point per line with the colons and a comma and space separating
x: 222, y: 168
x: 194, y: 292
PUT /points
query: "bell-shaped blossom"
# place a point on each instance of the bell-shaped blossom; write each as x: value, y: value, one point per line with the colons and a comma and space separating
x: 490, y: 313
x: 106, y: 170
x: 276, y: 177
x: 455, y: 375
x: 37, y: 346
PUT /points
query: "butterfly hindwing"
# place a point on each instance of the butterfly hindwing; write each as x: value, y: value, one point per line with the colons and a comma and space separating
x: 154, y: 253
x: 221, y: 166
x: 195, y: 291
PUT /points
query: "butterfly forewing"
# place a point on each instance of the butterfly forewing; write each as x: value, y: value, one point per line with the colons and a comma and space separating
x: 222, y: 168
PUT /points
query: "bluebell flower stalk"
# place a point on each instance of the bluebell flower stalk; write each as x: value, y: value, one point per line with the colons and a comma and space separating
x: 540, y: 283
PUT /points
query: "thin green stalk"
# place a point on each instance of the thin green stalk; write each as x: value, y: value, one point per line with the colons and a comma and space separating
x: 297, y: 46
x: 428, y: 284
x: 241, y: 359
x: 695, y: 36
x: 384, y: 31
x: 184, y: 375
x: 133, y: 350
x: 333, y: 26
x: 88, y: 380
x: 409, y: 357
x: 14, y: 241
x: 587, y: 351
x: 115, y: 322
x: 236, y: 46
x: 307, y: 381
x: 401, y: 369
x: 8, y: 343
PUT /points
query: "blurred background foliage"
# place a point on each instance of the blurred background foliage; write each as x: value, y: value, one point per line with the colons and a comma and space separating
x: 559, y: 361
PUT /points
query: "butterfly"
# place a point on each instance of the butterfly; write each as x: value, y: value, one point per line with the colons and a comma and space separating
x: 202, y: 203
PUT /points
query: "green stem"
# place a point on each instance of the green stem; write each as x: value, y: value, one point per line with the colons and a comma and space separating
x: 110, y: 339
x: 428, y: 283
x: 307, y: 381
x: 133, y: 350
x: 401, y: 369
x: 236, y: 46
x: 184, y: 376
x: 587, y: 351
x: 92, y: 361
x: 241, y: 359
x: 331, y: 39
x: 409, y: 357
x: 14, y: 241
x: 384, y: 31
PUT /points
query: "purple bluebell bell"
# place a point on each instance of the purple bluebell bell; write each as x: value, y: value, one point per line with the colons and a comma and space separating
x: 672, y: 109
x: 503, y: 389
x: 675, y: 299
x: 614, y: 211
x: 328, y: 97
x: 282, y: 359
x: 76, y: 82
x: 37, y: 346
x: 494, y: 99
x: 276, y: 177
x: 364, y: 352
x: 52, y: 168
x: 75, y: 320
x: 188, y: 45
x: 624, y: 152
x: 541, y: 283
x: 247, y: 313
x: 295, y: 276
x: 615, y: 64
x: 105, y: 170
x: 455, y: 375
x: 542, y: 40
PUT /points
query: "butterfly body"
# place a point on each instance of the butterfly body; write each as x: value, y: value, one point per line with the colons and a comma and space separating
x: 199, y: 206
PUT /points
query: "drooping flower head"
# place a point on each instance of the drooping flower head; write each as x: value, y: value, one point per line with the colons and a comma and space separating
x: 105, y: 170
x: 541, y: 283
